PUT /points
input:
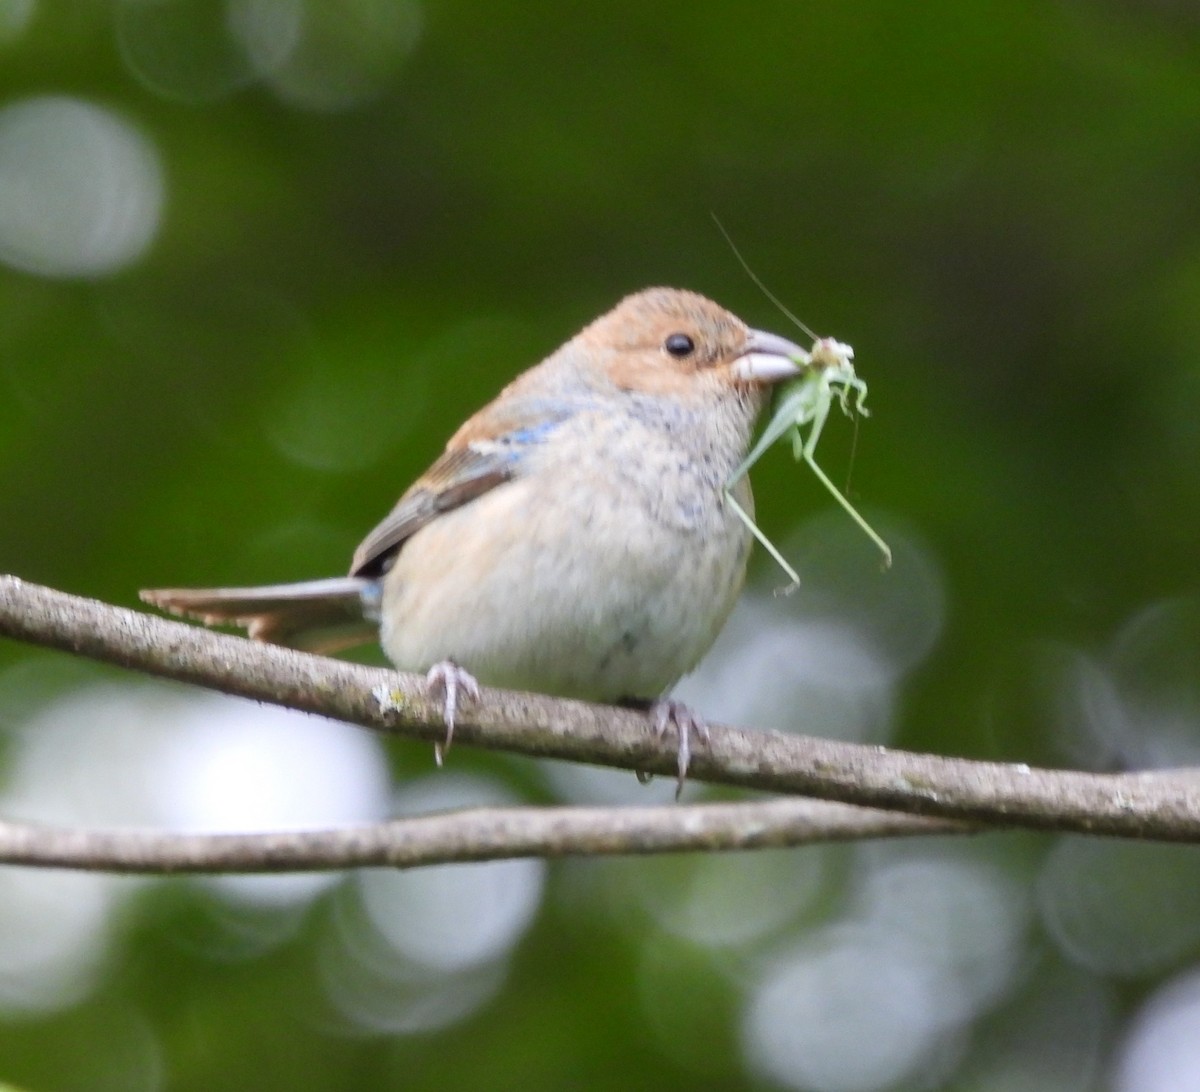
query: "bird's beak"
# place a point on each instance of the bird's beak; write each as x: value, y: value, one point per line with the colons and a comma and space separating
x: 768, y: 358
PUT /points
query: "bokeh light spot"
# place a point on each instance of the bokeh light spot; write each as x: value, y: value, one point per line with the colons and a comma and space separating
x: 418, y: 949
x: 453, y: 916
x: 81, y: 189
x: 234, y: 765
x: 1121, y: 908
x: 15, y: 16
x: 342, y: 419
x: 325, y: 57
x: 181, y: 49
x: 54, y: 932
x: 847, y: 1011
x: 1161, y: 1052
x: 731, y: 899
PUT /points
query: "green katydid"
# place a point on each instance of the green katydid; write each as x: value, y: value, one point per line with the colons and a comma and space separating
x: 804, y: 403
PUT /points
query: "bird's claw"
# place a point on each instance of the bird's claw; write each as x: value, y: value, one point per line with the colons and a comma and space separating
x: 663, y: 714
x: 446, y: 682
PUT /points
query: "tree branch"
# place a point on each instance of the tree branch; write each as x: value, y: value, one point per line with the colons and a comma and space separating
x: 1162, y: 806
x: 475, y: 834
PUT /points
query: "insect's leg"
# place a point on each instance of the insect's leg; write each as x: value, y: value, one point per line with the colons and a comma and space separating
x: 820, y: 414
x: 767, y: 544
x: 860, y: 399
x: 837, y: 495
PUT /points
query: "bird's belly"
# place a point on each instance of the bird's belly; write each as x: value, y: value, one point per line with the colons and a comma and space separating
x: 536, y: 592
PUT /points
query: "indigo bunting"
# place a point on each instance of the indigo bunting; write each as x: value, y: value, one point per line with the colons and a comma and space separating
x: 573, y: 537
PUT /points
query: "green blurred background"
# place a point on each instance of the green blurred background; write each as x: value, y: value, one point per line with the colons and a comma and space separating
x: 257, y: 260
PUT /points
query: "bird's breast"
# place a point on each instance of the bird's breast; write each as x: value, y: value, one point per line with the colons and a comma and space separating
x: 604, y: 570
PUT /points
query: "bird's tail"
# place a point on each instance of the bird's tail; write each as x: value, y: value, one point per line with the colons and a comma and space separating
x: 314, y: 615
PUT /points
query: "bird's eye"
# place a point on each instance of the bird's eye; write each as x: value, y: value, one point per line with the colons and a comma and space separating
x: 679, y: 345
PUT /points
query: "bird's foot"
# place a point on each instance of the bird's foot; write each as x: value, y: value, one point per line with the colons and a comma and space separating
x: 665, y: 714
x: 448, y: 682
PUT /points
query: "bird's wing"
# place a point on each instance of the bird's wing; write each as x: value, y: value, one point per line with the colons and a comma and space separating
x: 484, y: 453
x: 457, y: 477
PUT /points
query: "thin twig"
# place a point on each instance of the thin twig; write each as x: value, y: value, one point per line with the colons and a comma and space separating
x: 475, y: 834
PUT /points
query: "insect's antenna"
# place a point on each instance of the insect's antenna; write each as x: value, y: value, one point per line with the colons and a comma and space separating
x: 757, y: 280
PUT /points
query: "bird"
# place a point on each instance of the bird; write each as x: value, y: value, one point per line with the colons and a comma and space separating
x: 574, y: 538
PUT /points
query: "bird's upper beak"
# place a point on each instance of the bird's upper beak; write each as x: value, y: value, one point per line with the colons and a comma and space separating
x: 768, y: 358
